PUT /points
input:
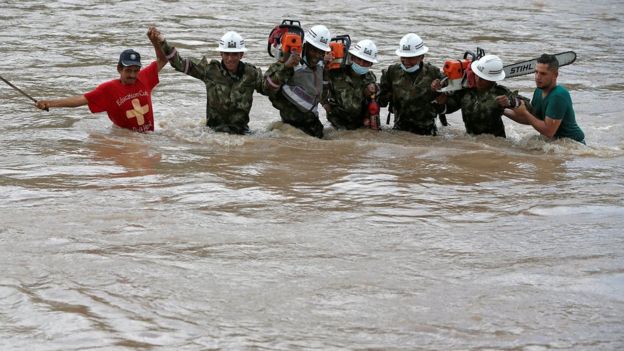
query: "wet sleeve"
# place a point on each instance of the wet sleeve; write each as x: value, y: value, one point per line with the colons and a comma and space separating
x: 279, y: 73
x: 149, y: 75
x: 276, y: 76
x: 556, y: 108
x: 259, y: 86
x: 98, y: 99
x: 193, y: 67
x: 385, y: 87
x: 534, y: 98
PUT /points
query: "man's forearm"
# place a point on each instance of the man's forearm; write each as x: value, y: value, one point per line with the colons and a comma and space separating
x: 515, y: 116
x: 277, y: 74
x: 539, y: 125
x: 72, y: 101
x: 161, y: 58
x: 195, y: 69
x: 548, y: 127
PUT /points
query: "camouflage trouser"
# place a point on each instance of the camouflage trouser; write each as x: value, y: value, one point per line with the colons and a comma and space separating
x: 341, y: 120
x: 228, y: 128
x: 234, y: 124
x: 494, y: 127
x: 421, y: 129
x: 308, y: 122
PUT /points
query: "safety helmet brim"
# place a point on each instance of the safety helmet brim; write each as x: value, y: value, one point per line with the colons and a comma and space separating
x: 231, y: 50
x: 365, y: 58
x: 325, y: 48
x: 421, y: 51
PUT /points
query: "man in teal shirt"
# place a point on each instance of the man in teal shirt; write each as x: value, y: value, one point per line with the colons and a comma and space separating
x: 553, y: 114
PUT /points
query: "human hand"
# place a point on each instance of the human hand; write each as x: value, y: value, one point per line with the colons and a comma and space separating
x: 521, y: 109
x: 293, y: 59
x: 371, y: 89
x: 436, y: 85
x: 154, y: 35
x: 503, y: 101
x: 507, y: 102
x: 328, y: 58
x: 42, y: 105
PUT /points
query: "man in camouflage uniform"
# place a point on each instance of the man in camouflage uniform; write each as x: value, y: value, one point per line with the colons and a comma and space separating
x: 481, y: 106
x: 350, y: 87
x: 230, y: 83
x: 407, y: 88
x: 295, y: 84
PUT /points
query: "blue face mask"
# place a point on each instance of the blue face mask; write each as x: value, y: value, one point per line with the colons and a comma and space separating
x: 359, y: 69
x: 411, y: 69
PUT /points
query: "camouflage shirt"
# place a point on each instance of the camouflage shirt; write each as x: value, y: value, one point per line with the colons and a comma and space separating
x: 279, y: 75
x: 410, y: 96
x: 344, y: 93
x: 229, y: 96
x: 481, y: 112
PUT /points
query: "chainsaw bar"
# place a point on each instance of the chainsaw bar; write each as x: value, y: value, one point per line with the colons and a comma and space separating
x: 527, y: 67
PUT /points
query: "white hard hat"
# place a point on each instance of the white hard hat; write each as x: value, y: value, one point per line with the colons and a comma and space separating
x: 319, y: 37
x: 231, y: 42
x: 366, y: 50
x: 411, y: 45
x: 489, y: 67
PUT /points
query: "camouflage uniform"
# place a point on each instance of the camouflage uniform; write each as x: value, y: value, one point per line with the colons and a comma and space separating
x: 480, y: 110
x: 229, y: 96
x: 410, y: 97
x: 345, y: 96
x: 308, y: 121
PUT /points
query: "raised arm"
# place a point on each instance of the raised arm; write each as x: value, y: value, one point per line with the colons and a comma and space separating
x: 157, y: 38
x: 72, y: 101
x: 196, y: 68
x: 259, y: 86
x: 280, y: 72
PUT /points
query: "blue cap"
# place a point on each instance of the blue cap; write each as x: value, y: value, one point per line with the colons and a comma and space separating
x: 130, y: 58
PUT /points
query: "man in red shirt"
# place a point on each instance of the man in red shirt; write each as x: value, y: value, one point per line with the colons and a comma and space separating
x: 127, y: 100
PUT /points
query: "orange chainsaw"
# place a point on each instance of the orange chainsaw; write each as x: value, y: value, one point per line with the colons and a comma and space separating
x: 285, y: 38
x: 457, y: 73
x: 340, y: 49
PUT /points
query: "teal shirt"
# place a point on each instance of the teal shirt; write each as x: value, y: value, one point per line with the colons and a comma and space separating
x: 558, y: 105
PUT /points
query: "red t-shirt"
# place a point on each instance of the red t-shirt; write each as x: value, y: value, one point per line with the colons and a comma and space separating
x: 128, y: 106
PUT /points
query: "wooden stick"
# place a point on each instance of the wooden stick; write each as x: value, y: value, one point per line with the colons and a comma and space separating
x: 20, y: 90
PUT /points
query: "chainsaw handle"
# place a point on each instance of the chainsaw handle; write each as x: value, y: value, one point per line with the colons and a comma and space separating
x: 472, y: 55
x: 480, y: 53
x: 291, y: 23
